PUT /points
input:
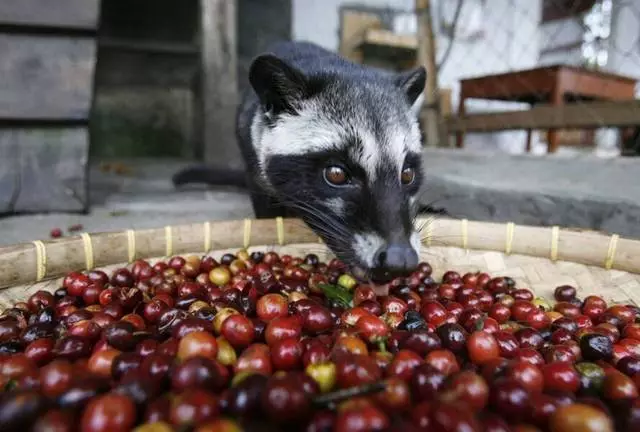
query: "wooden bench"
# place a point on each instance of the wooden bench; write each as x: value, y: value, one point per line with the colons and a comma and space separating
x: 584, y: 115
x: 557, y: 85
x: 48, y: 54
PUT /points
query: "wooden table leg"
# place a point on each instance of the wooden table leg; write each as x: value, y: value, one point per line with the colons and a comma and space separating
x: 461, y: 113
x: 528, y: 146
x: 552, y: 135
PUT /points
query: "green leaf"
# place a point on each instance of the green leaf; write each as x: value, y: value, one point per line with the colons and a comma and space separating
x: 338, y: 294
x: 10, y: 385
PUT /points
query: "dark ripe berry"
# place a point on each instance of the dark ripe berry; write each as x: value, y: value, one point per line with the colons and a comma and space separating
x: 40, y: 351
x: 371, y: 306
x: 193, y: 407
x: 196, y: 372
x: 403, y: 364
x: 100, y: 363
x: 256, y: 358
x: 529, y: 338
x: 596, y: 347
x: 452, y: 336
x: 618, y: 386
x: 124, y: 363
x: 56, y: 378
x: 567, y: 309
x: 561, y: 377
x: 190, y: 325
x: 521, y: 309
x: 372, y: 328
x: 482, y: 347
x: 238, y: 330
x: 626, y: 314
x: 538, y: 319
x: 559, y: 353
x: 286, y: 354
x: 565, y: 293
x: 110, y: 412
x: 444, y: 361
x: 567, y: 324
x: 560, y: 336
x: 317, y: 319
x: 244, y: 399
x: 120, y: 335
x: 360, y: 419
x: 426, y: 381
x: 198, y: 344
x: 19, y: 409
x: 507, y: 343
x: 55, y: 420
x: 471, y: 319
x: 510, y: 399
x: 72, y: 347
x: 468, y: 388
x: 530, y: 355
x: 37, y: 331
x: 447, y: 416
x: 281, y: 328
x: 529, y: 376
x: 421, y: 342
x: 79, y: 394
x: 355, y: 370
x: 284, y: 400
x: 227, y: 259
x: 629, y: 365
x: 271, y: 306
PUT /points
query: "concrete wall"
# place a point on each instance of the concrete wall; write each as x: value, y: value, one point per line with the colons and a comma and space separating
x: 624, y: 54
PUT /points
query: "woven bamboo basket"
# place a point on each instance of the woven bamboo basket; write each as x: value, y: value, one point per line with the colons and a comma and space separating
x: 539, y: 258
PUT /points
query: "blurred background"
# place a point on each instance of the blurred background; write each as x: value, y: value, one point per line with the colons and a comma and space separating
x: 531, y: 112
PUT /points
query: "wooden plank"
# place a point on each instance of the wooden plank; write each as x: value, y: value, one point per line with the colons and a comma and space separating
x: 46, y: 78
x: 219, y: 82
x: 579, y: 115
x: 130, y: 45
x: 126, y: 68
x: 43, y: 169
x: 435, y: 135
x: 387, y: 38
x: 353, y: 27
x: 73, y: 14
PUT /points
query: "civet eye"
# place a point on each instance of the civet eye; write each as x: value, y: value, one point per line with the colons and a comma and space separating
x: 335, y: 175
x: 407, y: 176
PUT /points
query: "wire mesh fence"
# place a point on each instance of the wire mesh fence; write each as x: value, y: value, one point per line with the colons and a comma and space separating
x: 521, y: 75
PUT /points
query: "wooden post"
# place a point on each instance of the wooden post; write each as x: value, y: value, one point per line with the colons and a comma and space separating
x: 219, y: 82
x: 434, y: 132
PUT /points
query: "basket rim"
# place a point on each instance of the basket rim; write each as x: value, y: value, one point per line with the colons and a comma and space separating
x: 52, y: 258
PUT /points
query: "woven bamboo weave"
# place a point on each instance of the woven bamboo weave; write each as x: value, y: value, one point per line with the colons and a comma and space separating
x: 539, y: 258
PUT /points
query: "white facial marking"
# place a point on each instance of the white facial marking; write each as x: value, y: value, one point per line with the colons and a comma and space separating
x: 416, y: 242
x: 336, y: 205
x: 311, y: 130
x: 365, y: 247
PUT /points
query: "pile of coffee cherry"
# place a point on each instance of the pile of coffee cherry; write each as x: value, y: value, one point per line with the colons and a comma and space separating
x: 263, y: 342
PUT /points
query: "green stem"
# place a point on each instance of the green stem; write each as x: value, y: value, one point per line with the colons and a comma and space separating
x: 340, y: 395
x: 382, y: 346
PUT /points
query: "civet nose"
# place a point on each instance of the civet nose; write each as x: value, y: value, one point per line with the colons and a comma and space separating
x: 396, y: 258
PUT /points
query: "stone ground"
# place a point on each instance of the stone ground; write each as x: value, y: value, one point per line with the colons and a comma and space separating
x: 574, y: 191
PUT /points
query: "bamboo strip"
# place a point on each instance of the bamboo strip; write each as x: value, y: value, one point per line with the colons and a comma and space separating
x: 21, y: 264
